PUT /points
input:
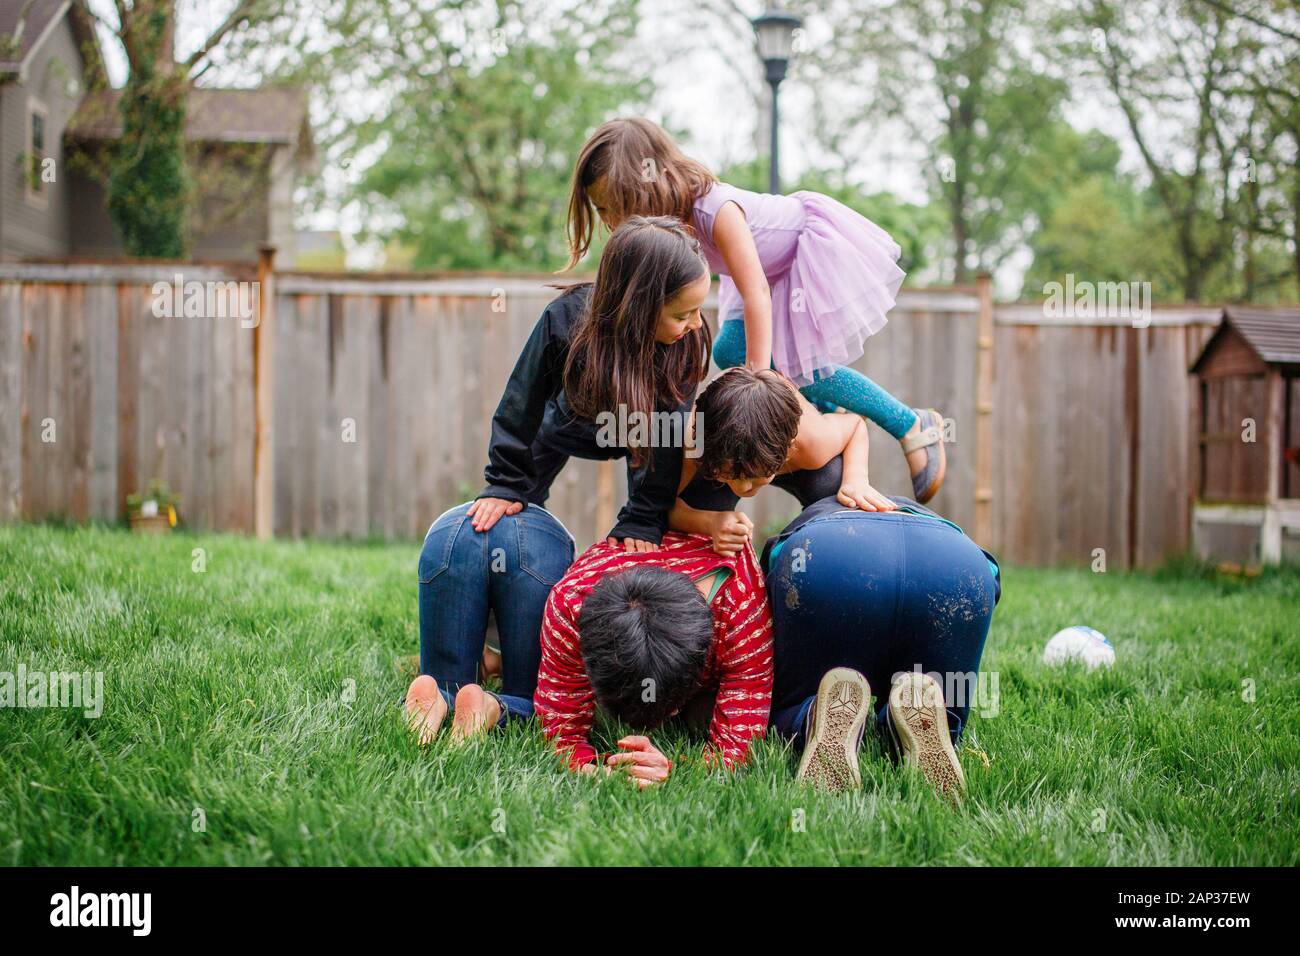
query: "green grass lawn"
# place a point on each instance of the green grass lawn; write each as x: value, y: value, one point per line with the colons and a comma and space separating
x: 260, y: 699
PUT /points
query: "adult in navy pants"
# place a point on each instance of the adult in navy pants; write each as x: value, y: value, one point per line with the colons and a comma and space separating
x: 888, y: 596
x: 878, y: 592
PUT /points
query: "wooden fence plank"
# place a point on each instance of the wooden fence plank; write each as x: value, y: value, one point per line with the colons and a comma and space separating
x: 355, y: 361
x: 313, y: 410
x: 57, y: 455
x: 219, y: 450
x: 128, y: 392
x: 243, y: 434
x: 198, y: 419
x: 101, y: 318
x: 80, y: 420
x: 379, y: 500
x: 981, y: 476
x: 432, y: 483
x: 36, y: 464
x: 12, y: 362
x: 263, y: 396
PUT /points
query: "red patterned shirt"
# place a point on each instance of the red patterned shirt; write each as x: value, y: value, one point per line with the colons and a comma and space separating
x: 739, y: 662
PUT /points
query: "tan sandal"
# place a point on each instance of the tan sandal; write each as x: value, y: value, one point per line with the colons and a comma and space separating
x: 926, y: 482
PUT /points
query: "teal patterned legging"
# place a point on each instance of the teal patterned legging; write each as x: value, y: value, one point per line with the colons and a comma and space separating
x: 843, y: 388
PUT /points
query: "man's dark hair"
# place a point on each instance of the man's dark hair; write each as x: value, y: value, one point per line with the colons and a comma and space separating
x: 748, y: 422
x: 645, y: 636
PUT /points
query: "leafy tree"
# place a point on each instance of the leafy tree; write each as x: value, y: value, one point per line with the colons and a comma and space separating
x: 1185, y: 92
x: 467, y: 118
x: 1095, y: 221
x: 954, y: 76
x: 1266, y: 92
x: 1104, y: 230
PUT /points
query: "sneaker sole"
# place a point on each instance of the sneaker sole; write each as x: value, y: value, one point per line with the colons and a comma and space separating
x: 920, y: 720
x: 830, y: 757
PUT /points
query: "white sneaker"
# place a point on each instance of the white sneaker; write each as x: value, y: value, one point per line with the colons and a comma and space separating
x: 918, y: 720
x: 837, y: 718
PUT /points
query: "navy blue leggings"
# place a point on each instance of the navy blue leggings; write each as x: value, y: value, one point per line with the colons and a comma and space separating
x: 880, y: 593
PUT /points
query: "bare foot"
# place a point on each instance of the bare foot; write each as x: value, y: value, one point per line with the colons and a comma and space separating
x: 491, y: 663
x: 476, y: 711
x: 425, y: 708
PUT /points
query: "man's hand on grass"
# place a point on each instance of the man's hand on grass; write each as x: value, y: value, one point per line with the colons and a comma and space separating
x: 488, y: 511
x: 642, y: 760
x: 632, y: 545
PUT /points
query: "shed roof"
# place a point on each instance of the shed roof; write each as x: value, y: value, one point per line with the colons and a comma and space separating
x: 1271, y: 333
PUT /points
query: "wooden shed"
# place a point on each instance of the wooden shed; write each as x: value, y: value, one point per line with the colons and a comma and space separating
x: 1247, y: 504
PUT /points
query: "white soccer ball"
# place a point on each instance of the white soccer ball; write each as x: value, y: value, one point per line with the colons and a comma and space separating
x: 1079, y: 643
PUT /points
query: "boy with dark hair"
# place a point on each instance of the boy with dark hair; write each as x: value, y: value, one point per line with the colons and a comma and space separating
x: 644, y: 628
x: 753, y: 419
x: 629, y: 631
x: 753, y: 427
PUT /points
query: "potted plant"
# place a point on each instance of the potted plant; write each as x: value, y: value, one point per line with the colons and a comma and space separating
x: 154, y: 510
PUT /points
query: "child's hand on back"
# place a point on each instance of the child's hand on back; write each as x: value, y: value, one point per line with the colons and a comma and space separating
x: 488, y: 511
x: 632, y: 545
x: 862, y: 495
x: 731, y: 530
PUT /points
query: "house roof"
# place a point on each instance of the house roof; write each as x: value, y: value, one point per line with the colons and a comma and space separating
x: 276, y: 114
x: 1271, y: 333
x: 25, y: 25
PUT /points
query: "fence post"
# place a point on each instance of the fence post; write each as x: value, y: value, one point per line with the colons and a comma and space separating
x: 984, y: 414
x: 263, y: 387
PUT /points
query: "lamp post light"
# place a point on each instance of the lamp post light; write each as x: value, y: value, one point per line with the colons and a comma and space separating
x: 775, y: 32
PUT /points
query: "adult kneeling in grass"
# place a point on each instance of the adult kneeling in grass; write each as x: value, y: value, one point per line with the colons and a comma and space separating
x: 868, y: 593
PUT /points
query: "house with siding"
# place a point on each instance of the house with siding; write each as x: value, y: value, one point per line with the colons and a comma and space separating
x: 248, y: 149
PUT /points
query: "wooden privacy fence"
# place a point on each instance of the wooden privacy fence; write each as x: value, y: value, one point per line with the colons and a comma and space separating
x: 361, y: 405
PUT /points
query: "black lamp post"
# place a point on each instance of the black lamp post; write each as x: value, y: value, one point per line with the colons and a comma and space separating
x: 775, y: 31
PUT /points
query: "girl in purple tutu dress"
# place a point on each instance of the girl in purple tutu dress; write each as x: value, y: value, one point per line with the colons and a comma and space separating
x: 804, y: 279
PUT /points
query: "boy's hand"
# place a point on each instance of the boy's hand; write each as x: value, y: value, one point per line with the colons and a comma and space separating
x: 644, y: 763
x: 862, y: 495
x: 632, y: 545
x: 488, y: 511
x: 731, y: 530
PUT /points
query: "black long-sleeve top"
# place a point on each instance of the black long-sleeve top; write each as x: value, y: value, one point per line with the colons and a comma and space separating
x: 534, y: 417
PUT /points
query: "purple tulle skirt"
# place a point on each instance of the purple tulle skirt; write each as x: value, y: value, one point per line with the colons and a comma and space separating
x: 841, y: 283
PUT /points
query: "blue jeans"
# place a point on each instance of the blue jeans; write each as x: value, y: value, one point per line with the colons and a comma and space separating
x: 881, y: 593
x: 508, y: 570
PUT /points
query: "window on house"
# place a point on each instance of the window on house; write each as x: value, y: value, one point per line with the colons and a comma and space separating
x: 37, y: 150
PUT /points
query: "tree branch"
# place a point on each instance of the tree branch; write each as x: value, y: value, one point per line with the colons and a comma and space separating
x: 245, y: 11
x: 1250, y: 18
